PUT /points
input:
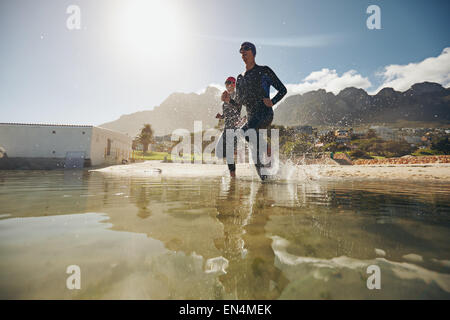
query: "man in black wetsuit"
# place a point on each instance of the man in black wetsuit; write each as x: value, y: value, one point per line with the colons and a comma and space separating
x: 253, y: 91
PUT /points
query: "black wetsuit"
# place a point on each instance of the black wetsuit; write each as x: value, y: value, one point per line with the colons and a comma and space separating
x: 251, y: 88
x: 231, y: 113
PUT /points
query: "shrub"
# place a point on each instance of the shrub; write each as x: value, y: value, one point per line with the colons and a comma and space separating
x: 425, y: 152
x: 441, y: 144
x: 396, y: 149
x: 287, y: 148
x: 359, y: 154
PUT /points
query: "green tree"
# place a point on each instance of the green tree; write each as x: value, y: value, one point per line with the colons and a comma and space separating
x: 302, y: 146
x: 442, y: 145
x: 145, y: 137
x: 396, y: 149
x: 287, y: 148
x: 329, y: 137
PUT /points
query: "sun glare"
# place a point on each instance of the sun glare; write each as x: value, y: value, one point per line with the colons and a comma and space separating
x: 149, y: 29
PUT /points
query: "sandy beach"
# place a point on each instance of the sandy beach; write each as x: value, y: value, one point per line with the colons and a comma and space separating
x: 430, y: 172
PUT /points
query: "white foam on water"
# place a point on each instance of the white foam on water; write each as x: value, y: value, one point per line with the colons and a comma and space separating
x: 402, y: 270
x: 218, y: 264
x: 289, y: 171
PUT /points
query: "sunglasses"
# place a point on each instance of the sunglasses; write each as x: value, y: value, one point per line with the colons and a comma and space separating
x: 245, y: 48
x: 229, y: 82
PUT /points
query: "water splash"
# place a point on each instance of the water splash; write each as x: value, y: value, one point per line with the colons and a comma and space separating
x: 288, y: 170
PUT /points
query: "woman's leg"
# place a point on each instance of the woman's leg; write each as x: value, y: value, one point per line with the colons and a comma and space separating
x: 220, y: 150
x: 229, y: 155
x: 232, y: 169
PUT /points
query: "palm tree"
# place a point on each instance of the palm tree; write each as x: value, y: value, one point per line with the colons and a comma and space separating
x: 145, y: 137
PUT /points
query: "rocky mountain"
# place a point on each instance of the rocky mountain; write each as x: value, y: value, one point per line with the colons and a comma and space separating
x: 179, y: 110
x: 422, y: 102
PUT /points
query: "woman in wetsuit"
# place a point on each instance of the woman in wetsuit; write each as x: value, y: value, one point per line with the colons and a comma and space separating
x: 232, y: 115
x: 253, y: 91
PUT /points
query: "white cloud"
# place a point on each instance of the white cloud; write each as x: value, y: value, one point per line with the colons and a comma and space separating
x: 330, y: 81
x: 433, y: 69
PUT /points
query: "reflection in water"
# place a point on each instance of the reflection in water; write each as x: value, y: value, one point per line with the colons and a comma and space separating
x: 162, y: 238
x: 252, y: 273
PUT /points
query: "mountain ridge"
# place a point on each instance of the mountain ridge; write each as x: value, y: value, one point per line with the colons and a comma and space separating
x: 425, y: 101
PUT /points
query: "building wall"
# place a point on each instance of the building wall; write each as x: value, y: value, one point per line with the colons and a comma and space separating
x: 44, y: 141
x: 45, y: 144
x: 120, y: 146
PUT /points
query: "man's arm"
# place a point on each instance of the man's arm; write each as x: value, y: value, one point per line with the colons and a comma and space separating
x: 277, y: 84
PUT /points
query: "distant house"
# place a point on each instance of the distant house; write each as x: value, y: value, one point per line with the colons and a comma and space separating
x: 318, y: 144
x: 387, y: 133
x: 303, y: 129
x: 359, y: 134
x: 47, y: 146
x: 426, y: 139
x: 414, y: 140
x: 342, y: 135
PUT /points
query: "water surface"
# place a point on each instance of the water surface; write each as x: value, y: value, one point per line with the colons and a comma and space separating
x: 167, y: 238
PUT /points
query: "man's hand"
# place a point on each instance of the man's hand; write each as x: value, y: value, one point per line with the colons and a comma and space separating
x: 218, y: 116
x: 268, y: 102
x: 226, y: 96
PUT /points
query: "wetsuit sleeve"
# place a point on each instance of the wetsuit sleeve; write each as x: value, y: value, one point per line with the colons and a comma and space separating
x: 235, y: 102
x: 277, y: 84
x: 223, y: 111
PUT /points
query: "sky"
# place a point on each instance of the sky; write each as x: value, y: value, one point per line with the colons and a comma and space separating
x: 125, y: 56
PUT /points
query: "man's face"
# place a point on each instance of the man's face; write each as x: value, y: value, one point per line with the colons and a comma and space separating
x: 247, y: 55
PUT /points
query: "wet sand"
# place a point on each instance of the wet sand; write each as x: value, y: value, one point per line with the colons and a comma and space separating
x: 430, y: 172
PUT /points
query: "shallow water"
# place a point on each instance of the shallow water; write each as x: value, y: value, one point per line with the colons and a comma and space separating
x: 167, y: 238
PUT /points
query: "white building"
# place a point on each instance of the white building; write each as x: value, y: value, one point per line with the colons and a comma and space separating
x: 45, y: 146
x: 387, y: 133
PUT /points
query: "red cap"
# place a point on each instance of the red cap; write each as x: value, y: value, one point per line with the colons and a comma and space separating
x: 231, y: 79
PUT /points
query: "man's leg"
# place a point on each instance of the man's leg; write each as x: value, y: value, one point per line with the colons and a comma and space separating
x: 246, y: 128
x: 256, y: 123
x: 267, y: 152
x: 263, y: 123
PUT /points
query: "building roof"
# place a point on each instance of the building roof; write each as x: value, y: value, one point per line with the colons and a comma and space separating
x: 45, y: 124
x: 62, y: 126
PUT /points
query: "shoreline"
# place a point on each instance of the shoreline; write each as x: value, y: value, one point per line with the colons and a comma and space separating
x: 438, y: 172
